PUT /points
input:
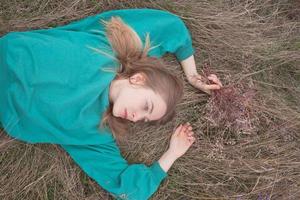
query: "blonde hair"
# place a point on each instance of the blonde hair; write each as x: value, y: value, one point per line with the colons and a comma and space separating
x: 133, y: 59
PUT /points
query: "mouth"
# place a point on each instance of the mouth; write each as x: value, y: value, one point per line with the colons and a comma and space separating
x: 125, y: 114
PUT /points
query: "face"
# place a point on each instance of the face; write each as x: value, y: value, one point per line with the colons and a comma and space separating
x: 135, y: 103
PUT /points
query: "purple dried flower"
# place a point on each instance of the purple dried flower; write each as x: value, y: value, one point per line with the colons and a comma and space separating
x: 230, y: 106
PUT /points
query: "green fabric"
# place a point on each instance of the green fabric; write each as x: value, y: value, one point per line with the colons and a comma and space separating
x: 106, y: 166
x: 54, y: 89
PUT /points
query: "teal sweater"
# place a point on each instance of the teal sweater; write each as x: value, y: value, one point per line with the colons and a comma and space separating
x: 54, y: 90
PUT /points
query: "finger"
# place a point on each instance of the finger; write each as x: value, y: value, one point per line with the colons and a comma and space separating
x: 184, y: 128
x: 215, y: 80
x: 190, y: 137
x: 199, y: 84
x: 178, y: 129
x: 188, y: 133
x: 218, y: 82
x: 191, y: 140
x: 191, y: 133
x: 188, y: 127
x: 189, y: 130
x: 180, y: 126
x: 202, y: 86
x: 212, y: 78
x: 212, y: 75
x: 187, y: 124
x: 212, y: 87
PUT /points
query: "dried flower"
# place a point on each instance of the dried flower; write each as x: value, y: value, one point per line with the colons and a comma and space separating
x: 230, y: 106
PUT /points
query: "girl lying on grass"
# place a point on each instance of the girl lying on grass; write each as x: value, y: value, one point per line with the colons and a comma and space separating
x: 56, y: 88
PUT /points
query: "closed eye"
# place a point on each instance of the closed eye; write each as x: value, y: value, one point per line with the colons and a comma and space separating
x: 146, y: 109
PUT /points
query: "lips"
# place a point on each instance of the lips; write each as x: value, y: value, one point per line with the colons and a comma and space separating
x: 125, y: 114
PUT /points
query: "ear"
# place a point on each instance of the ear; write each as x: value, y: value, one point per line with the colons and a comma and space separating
x: 137, y: 79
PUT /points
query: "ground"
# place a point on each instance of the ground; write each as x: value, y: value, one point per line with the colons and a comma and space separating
x: 256, y: 42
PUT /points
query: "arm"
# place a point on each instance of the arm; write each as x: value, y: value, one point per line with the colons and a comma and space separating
x: 189, y: 66
x: 167, y: 160
x: 180, y: 142
x: 168, y: 33
x: 195, y: 79
x: 110, y: 170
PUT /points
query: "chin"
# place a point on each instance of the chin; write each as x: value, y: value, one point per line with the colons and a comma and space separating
x: 115, y: 112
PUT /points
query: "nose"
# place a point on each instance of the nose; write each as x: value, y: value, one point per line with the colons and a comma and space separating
x: 135, y: 117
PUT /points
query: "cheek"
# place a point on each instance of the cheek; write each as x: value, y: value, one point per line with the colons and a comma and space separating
x: 130, y: 98
x: 121, y: 103
x: 133, y: 100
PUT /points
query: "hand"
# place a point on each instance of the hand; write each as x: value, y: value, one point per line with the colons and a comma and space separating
x: 198, y: 82
x: 181, y: 140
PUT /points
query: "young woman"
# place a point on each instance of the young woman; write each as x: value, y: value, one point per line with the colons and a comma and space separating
x: 79, y: 86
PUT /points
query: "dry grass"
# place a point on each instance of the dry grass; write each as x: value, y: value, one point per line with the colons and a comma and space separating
x: 256, y: 42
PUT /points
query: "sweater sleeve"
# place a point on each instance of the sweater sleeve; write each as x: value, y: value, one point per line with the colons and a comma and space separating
x: 110, y: 170
x: 168, y: 33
